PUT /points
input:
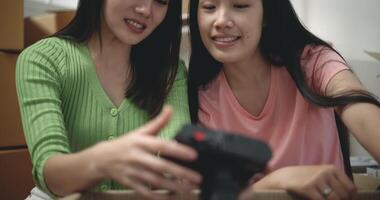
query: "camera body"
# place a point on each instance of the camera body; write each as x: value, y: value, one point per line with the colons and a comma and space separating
x: 226, y: 160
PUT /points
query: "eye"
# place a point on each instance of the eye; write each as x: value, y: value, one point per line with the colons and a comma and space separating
x: 208, y: 6
x: 162, y: 2
x: 241, y: 6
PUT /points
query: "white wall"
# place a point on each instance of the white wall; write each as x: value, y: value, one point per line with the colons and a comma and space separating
x: 351, y: 25
x: 39, y: 7
x: 66, y: 3
x: 61, y: 3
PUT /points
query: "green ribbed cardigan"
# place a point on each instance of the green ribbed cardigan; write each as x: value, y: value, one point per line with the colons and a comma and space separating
x: 64, y: 108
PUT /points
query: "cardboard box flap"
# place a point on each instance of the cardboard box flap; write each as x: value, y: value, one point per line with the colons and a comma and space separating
x: 11, y: 132
x: 364, y: 182
x: 373, y: 54
x: 38, y: 27
x: 12, y: 27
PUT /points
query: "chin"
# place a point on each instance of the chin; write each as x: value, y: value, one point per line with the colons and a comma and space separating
x: 130, y: 41
x: 225, y: 57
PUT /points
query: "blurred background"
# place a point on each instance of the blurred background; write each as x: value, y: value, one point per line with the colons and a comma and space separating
x: 352, y: 26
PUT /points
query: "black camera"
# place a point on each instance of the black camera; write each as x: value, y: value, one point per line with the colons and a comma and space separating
x: 225, y: 160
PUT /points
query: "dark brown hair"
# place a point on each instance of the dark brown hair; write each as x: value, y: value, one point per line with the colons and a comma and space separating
x: 154, y: 61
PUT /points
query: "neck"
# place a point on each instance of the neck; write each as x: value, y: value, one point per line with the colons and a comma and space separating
x: 108, y: 50
x: 248, y: 73
x: 111, y: 58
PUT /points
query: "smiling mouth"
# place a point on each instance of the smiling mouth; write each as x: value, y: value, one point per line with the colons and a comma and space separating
x: 225, y: 39
x: 135, y: 24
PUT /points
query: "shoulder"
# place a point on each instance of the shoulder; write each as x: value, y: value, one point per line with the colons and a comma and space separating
x: 317, y: 56
x: 51, y: 42
x: 52, y: 47
x: 182, y: 66
x: 46, y: 49
x: 320, y: 64
x: 48, y: 55
x: 211, y: 92
x: 181, y: 72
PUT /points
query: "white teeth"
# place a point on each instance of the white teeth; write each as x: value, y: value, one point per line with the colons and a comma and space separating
x: 135, y: 24
x: 225, y: 39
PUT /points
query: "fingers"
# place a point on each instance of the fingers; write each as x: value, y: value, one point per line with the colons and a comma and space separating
x: 145, y: 170
x: 162, y: 165
x: 341, y: 185
x: 334, y: 184
x: 346, y: 182
x: 314, y: 194
x: 156, y: 124
x: 158, y: 180
x: 141, y: 188
x: 325, y: 191
x: 318, y: 182
x: 167, y: 148
x: 338, y: 190
x: 310, y: 191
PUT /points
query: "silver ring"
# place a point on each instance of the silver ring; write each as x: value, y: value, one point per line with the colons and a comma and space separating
x: 326, y: 192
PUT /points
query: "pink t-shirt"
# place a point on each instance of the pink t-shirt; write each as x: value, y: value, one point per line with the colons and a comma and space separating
x: 298, y: 132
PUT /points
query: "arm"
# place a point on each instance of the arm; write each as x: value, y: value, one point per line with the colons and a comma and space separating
x: 63, y: 177
x: 129, y: 160
x: 322, y: 71
x: 361, y: 119
x: 38, y: 79
x: 305, y: 181
x: 38, y: 82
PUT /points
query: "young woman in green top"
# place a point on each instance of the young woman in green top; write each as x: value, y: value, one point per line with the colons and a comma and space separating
x: 84, y: 92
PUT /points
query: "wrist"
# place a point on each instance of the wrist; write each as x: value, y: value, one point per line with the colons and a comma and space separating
x: 270, y: 181
x: 92, y: 162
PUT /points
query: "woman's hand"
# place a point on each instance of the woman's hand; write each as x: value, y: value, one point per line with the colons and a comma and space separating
x: 316, y: 182
x: 132, y: 160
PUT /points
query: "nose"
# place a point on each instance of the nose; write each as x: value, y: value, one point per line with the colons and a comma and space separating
x: 223, y: 20
x: 144, y: 8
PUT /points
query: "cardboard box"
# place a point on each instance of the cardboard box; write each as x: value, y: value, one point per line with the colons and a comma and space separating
x: 11, y: 133
x: 373, y: 171
x: 18, y: 32
x: 366, y: 186
x: 12, y: 24
x: 16, y: 174
x: 38, y: 27
x: 373, y: 54
x: 365, y: 182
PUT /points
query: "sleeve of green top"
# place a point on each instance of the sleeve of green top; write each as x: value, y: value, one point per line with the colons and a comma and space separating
x: 38, y: 83
x: 177, y: 98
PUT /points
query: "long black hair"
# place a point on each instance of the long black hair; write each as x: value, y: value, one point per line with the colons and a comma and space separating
x: 282, y: 43
x: 154, y: 61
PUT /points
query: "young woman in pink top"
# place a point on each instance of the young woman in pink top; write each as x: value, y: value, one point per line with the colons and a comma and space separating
x: 255, y: 70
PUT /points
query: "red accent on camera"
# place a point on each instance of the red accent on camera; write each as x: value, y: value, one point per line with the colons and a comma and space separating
x: 199, y: 136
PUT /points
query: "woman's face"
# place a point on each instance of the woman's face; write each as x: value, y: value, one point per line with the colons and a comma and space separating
x: 230, y: 29
x: 131, y: 21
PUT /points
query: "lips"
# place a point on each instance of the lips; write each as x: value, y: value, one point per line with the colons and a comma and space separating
x: 135, y: 25
x: 224, y: 41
